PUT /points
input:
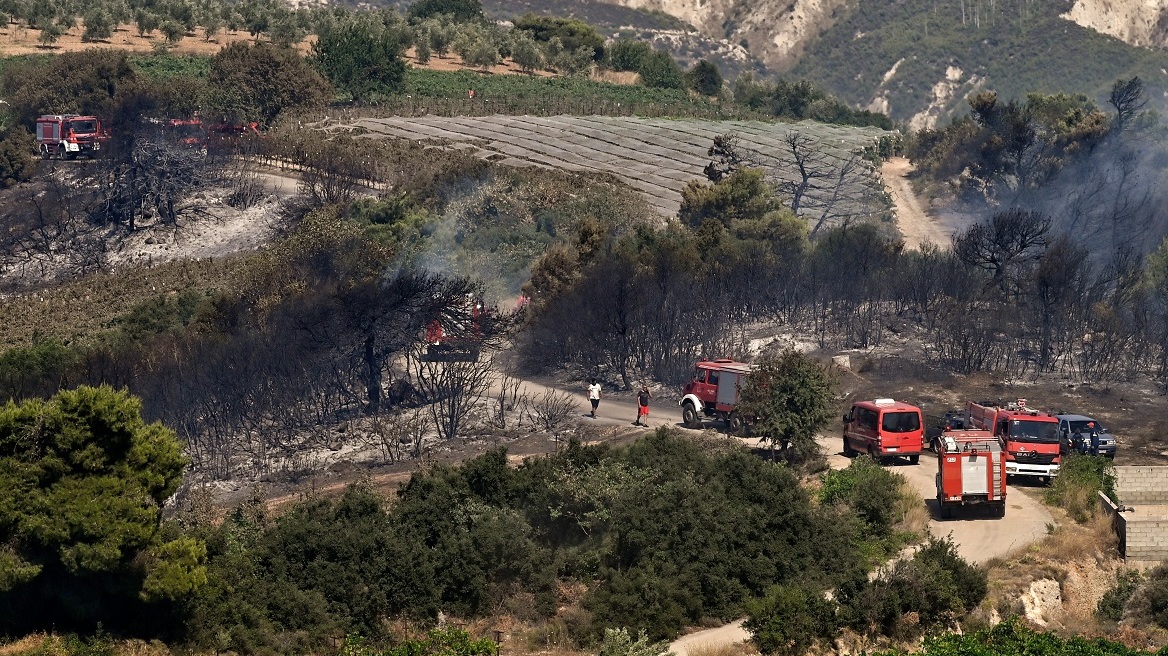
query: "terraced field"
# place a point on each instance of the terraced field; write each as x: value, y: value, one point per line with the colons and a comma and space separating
x: 655, y: 156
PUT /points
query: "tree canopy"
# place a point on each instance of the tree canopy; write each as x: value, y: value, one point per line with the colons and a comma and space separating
x: 82, y: 482
x: 257, y: 82
x: 361, y: 58
x: 789, y: 398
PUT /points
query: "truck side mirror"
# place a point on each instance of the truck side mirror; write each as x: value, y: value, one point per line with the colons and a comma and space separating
x: 845, y: 419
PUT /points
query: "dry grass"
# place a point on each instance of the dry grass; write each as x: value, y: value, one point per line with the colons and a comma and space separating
x: 914, y: 516
x: 85, y: 307
x: 616, y: 77
x: 42, y: 644
x: 1082, y: 558
x: 736, y: 649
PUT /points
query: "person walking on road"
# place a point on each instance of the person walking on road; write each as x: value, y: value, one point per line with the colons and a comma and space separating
x: 643, y: 398
x: 594, y: 395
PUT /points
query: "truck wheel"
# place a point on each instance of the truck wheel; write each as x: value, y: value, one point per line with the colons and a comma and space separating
x: 849, y: 452
x: 914, y: 459
x: 62, y: 152
x: 689, y: 416
x: 735, y: 423
x: 1000, y: 510
x: 45, y: 152
x: 946, y: 511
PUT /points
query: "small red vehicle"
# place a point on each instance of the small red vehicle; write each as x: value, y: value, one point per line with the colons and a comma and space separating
x: 971, y: 471
x: 713, y: 392
x: 66, y: 136
x: 884, y: 429
x: 461, y: 341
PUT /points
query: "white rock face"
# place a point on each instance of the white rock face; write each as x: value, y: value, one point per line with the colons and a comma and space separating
x: 1137, y: 22
x: 1043, y: 601
x: 777, y: 32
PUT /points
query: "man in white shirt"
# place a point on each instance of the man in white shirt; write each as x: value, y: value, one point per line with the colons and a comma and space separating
x: 594, y: 395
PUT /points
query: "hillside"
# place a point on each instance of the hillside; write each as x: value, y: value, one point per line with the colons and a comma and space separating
x: 918, y: 59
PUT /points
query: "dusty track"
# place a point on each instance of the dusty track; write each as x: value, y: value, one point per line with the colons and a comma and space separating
x: 915, y: 223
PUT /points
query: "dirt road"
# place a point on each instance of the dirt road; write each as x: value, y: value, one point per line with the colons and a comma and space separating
x: 915, y: 223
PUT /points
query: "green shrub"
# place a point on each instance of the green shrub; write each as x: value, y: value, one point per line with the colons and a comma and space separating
x: 1080, y: 479
x: 660, y: 71
x: 868, y: 489
x: 459, y: 10
x: 17, y: 156
x: 1115, y: 599
x: 618, y: 642
x: 627, y: 54
x: 790, y: 619
x: 933, y: 590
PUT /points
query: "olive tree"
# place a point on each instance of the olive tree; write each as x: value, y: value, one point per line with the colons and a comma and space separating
x: 789, y: 397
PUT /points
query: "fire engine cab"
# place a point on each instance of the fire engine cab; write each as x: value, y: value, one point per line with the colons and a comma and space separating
x: 65, y: 136
x: 971, y: 471
x: 713, y: 392
x: 1029, y: 437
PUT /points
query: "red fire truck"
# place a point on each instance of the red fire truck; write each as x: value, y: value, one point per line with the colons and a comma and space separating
x: 1029, y: 437
x: 971, y: 471
x: 713, y: 392
x: 66, y: 136
x: 457, y: 340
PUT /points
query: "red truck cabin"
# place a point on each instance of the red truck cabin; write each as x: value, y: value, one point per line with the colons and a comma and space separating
x: 716, y: 382
x: 884, y: 428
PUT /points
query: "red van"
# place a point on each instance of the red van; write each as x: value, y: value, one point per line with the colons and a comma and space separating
x: 884, y: 429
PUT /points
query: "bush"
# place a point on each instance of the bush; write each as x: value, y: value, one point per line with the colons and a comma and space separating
x: 933, y: 590
x: 627, y: 54
x: 790, y: 619
x: 705, y: 78
x: 1080, y: 479
x: 258, y: 82
x: 89, y: 82
x: 1114, y: 601
x: 659, y: 71
x: 17, y: 156
x: 617, y: 642
x: 459, y: 10
x: 870, y: 490
x: 573, y: 34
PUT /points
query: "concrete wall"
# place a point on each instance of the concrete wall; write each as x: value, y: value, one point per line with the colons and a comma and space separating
x: 1142, y: 529
x: 1141, y: 485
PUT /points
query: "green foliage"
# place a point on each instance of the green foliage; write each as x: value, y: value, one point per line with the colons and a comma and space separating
x: 88, y: 82
x: 659, y: 70
x: 459, y: 10
x: 98, y: 25
x: 618, y: 642
x: 801, y: 100
x: 439, y: 642
x: 526, y: 53
x: 870, y: 490
x: 1014, y: 638
x: 627, y: 54
x: 1080, y: 478
x: 471, y: 539
x: 744, y: 195
x: 933, y: 590
x: 37, y: 370
x: 82, y: 483
x: 790, y: 619
x: 1113, y: 602
x: 159, y: 315
x: 361, y: 58
x: 789, y: 397
x: 572, y: 34
x: 704, y: 78
x: 17, y: 156
x: 171, y: 68
x: 258, y: 82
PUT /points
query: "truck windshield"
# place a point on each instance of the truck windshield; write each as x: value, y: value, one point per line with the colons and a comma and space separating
x: 1041, y: 432
x: 900, y: 422
x: 83, y: 127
